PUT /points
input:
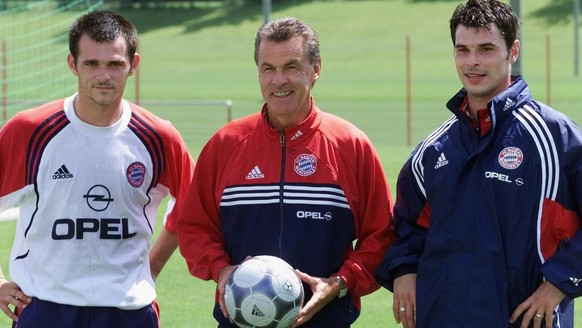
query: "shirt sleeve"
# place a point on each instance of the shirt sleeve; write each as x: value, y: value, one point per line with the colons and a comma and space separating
x: 13, y: 145
x: 411, y: 217
x: 177, y: 174
x: 198, y: 225
x: 562, y: 233
x: 374, y: 220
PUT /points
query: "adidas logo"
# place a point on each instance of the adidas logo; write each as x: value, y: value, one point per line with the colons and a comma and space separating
x: 257, y: 312
x: 297, y: 135
x: 442, y: 161
x: 62, y: 173
x: 575, y: 281
x: 255, y: 173
x: 508, y: 104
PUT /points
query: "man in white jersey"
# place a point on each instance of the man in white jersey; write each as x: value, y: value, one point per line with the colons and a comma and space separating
x: 88, y: 173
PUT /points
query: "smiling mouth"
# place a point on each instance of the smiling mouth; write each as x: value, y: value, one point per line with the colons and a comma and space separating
x: 281, y: 94
x: 473, y: 75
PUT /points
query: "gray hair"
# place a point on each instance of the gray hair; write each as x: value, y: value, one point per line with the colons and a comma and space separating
x: 284, y: 29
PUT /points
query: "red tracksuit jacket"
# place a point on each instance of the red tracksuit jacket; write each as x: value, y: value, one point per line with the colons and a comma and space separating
x: 315, y: 195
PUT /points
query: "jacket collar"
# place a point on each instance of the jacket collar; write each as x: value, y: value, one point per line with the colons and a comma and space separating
x: 295, y: 134
x: 513, y: 97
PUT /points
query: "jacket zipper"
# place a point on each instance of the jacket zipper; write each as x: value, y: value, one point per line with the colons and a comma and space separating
x: 282, y: 188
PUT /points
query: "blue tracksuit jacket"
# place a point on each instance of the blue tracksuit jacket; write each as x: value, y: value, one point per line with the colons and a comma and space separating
x: 483, y: 220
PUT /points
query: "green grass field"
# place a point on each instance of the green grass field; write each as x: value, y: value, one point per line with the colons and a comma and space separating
x: 207, y: 54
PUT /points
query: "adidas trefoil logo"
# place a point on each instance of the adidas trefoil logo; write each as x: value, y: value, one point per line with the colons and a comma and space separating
x: 442, y: 161
x: 255, y: 173
x: 62, y: 173
x: 575, y: 281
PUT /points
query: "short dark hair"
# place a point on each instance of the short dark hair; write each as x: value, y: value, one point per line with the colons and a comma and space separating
x: 483, y: 13
x: 103, y: 26
x: 284, y: 29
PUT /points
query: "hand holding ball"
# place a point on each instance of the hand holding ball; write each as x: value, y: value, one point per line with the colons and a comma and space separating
x: 264, y: 291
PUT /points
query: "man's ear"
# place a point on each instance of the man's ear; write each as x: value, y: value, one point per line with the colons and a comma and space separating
x: 514, y: 52
x: 134, y: 64
x: 72, y: 65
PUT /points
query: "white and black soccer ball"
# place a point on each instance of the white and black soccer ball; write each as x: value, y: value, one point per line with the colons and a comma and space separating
x: 264, y: 291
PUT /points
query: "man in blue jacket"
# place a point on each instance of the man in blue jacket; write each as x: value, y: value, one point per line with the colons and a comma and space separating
x: 488, y: 205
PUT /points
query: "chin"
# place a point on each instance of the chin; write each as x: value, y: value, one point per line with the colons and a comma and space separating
x: 475, y: 90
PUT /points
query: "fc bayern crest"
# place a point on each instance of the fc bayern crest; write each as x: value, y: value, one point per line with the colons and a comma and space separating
x: 510, y: 158
x: 136, y: 174
x: 305, y: 164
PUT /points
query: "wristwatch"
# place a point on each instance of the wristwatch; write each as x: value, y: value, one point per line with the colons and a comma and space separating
x: 343, y: 290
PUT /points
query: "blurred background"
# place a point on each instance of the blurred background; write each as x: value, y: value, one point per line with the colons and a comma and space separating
x: 387, y: 67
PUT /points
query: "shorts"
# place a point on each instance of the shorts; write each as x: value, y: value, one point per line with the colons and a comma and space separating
x: 43, y: 314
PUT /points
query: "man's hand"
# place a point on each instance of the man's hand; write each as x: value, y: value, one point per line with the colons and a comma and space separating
x: 539, y: 306
x: 10, y: 293
x: 404, y: 300
x: 222, y: 280
x: 324, y: 291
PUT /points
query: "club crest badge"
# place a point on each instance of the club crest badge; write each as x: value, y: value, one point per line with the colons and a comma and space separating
x: 305, y: 164
x: 135, y: 174
x: 510, y: 158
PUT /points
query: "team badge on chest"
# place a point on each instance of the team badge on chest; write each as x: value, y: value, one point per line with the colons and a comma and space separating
x: 135, y: 174
x: 305, y: 164
x: 510, y: 158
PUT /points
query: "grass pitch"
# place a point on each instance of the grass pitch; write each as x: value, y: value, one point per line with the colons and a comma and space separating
x: 206, y: 53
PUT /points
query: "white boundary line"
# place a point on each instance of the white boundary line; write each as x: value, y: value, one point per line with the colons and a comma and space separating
x: 10, y: 214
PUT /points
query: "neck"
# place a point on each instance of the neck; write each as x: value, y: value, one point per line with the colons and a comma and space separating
x: 282, y: 122
x: 97, y: 114
x: 474, y: 105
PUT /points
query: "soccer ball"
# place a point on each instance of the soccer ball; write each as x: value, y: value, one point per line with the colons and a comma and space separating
x: 264, y: 291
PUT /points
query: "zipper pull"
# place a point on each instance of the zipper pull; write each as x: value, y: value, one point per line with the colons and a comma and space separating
x: 282, y: 137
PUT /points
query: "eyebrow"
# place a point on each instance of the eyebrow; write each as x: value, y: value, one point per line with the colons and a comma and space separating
x: 481, y: 45
x: 291, y: 62
x: 94, y: 61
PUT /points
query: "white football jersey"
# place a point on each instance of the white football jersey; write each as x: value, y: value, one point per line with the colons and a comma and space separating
x: 88, y: 199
